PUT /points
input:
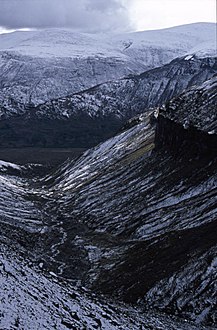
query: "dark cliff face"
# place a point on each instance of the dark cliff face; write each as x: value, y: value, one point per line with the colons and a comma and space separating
x: 184, y: 143
x: 195, y: 108
x: 87, y: 118
x: 187, y: 125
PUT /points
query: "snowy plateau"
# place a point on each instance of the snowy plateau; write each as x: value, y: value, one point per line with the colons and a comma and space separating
x: 123, y: 236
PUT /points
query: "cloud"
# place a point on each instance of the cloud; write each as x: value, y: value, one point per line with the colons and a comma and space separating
x: 83, y: 15
x: 104, y: 6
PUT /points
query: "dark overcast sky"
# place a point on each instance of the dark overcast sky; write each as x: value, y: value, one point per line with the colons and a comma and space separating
x: 86, y: 15
x: 104, y: 15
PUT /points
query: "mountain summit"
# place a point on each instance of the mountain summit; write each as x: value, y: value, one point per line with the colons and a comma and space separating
x: 37, y: 66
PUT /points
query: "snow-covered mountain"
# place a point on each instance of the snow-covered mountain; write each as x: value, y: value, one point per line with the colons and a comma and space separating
x: 134, y: 218
x: 125, y: 98
x: 86, y: 118
x: 68, y: 43
x: 37, y: 66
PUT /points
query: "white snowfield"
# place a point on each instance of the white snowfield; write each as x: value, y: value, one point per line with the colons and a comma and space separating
x: 37, y: 66
x: 68, y: 43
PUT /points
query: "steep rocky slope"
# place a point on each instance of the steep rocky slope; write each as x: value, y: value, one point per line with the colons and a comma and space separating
x: 134, y: 218
x: 86, y: 118
x: 32, y: 296
x: 31, y: 299
x: 153, y: 214
x: 37, y: 66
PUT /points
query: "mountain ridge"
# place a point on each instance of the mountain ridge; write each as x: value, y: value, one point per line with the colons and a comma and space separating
x: 55, y: 63
x: 86, y: 118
